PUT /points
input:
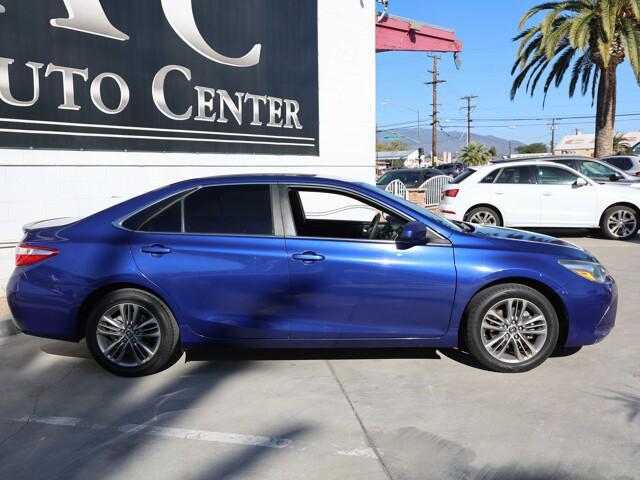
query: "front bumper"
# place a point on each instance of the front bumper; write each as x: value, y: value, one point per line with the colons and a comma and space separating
x: 592, y: 315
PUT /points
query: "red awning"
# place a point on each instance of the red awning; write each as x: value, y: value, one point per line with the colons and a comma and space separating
x: 402, y: 34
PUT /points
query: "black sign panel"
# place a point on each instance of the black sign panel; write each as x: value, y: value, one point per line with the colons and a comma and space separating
x: 211, y: 76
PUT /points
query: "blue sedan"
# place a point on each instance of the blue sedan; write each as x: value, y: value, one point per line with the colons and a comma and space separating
x: 276, y: 261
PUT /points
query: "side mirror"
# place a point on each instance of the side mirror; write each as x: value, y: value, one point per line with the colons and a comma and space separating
x: 580, y: 182
x: 614, y: 177
x: 414, y: 233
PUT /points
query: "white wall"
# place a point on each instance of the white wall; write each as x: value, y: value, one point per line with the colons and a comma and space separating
x: 43, y: 184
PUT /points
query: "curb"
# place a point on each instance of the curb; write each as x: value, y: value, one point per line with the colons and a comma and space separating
x: 7, y: 327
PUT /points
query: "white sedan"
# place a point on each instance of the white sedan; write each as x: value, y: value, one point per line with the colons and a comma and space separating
x: 541, y: 194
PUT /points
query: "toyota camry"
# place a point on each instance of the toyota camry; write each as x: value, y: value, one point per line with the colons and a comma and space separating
x: 277, y: 261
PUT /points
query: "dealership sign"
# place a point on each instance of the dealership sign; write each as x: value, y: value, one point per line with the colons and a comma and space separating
x: 211, y: 76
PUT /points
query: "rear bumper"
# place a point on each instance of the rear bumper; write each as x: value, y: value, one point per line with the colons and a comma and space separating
x: 448, y: 212
x: 42, y: 311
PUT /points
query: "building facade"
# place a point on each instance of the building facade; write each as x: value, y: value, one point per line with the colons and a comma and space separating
x: 101, y: 101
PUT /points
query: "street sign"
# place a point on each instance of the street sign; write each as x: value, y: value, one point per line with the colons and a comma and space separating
x: 392, y: 137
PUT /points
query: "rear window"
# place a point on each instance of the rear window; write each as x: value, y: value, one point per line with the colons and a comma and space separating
x: 224, y: 210
x: 620, y: 162
x: 463, y: 176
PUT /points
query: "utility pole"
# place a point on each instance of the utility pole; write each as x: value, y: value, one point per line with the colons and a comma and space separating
x: 470, y: 108
x: 552, y: 126
x: 434, y: 123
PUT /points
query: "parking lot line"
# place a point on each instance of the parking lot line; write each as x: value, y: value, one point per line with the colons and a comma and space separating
x: 187, y: 434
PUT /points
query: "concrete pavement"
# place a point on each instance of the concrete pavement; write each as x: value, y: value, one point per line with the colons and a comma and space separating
x: 375, y: 415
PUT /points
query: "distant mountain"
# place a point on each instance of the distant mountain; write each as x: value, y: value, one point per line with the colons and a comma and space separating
x: 451, y: 141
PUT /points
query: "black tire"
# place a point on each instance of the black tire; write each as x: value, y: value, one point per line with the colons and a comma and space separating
x: 608, y: 218
x: 167, y: 348
x: 483, y: 211
x: 489, y: 298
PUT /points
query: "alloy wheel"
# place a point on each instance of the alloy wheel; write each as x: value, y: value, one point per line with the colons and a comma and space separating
x: 483, y: 217
x: 128, y: 335
x: 622, y: 223
x: 514, y: 330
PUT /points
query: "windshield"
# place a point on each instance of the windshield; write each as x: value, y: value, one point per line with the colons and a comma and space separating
x: 405, y: 176
x: 596, y: 170
x: 423, y: 211
x: 636, y: 149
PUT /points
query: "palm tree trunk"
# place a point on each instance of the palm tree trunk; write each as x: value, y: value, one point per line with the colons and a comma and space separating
x: 606, y: 111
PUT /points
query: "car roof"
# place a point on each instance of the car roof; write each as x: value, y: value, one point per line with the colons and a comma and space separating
x: 545, y: 159
x: 521, y: 163
x: 263, y: 178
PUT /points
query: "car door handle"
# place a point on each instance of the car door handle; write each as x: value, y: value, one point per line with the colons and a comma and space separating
x: 308, y: 257
x: 499, y: 193
x: 156, y: 249
x: 547, y: 194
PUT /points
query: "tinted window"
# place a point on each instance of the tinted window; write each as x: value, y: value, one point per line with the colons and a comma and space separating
x: 621, y: 162
x: 520, y: 175
x: 136, y: 221
x: 463, y: 176
x: 168, y: 220
x: 555, y: 176
x: 233, y: 209
x: 595, y: 170
x: 491, y: 177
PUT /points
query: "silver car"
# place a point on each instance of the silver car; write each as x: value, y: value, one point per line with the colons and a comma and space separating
x: 629, y: 163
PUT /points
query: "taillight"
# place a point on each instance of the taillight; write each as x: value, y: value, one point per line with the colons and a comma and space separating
x: 30, y: 254
x: 637, y: 174
x: 453, y: 193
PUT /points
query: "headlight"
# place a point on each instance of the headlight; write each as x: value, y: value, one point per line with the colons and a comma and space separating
x: 594, y: 272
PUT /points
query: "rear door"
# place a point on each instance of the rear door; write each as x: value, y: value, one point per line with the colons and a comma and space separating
x: 219, y: 255
x: 517, y: 196
x: 563, y: 203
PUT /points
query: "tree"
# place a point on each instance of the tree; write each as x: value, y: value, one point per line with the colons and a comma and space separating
x: 475, y: 154
x: 532, y: 148
x: 393, y: 146
x: 589, y: 39
x: 493, y: 152
x: 621, y: 145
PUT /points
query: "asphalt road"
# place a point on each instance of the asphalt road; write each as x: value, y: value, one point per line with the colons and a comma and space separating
x: 370, y: 415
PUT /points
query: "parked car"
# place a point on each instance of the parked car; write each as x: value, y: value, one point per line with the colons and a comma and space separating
x: 301, y: 261
x: 541, y: 194
x: 452, y: 169
x: 628, y: 163
x: 597, y: 170
x: 411, y: 177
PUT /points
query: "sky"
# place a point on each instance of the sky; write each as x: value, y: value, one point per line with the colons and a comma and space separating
x: 487, y: 58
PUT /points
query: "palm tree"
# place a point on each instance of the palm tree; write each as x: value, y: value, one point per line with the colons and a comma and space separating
x: 475, y: 154
x: 621, y: 145
x: 589, y: 39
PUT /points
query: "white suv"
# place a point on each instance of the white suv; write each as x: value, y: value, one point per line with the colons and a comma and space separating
x: 541, y: 194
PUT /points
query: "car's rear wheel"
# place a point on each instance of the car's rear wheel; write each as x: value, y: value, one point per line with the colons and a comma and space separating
x: 511, y: 328
x: 620, y: 223
x: 132, y: 333
x: 483, y: 216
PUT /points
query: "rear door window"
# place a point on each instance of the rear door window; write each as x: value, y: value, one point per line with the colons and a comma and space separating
x: 621, y: 162
x: 516, y: 175
x: 229, y: 210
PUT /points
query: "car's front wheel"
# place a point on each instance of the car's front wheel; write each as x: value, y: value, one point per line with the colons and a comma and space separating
x: 511, y: 328
x: 620, y: 223
x: 132, y: 333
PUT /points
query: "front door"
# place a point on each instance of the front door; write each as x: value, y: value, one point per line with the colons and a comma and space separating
x: 349, y: 277
x: 563, y: 202
x: 216, y: 256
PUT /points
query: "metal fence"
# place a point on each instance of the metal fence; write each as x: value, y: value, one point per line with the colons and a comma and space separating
x: 398, y: 188
x: 433, y: 189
